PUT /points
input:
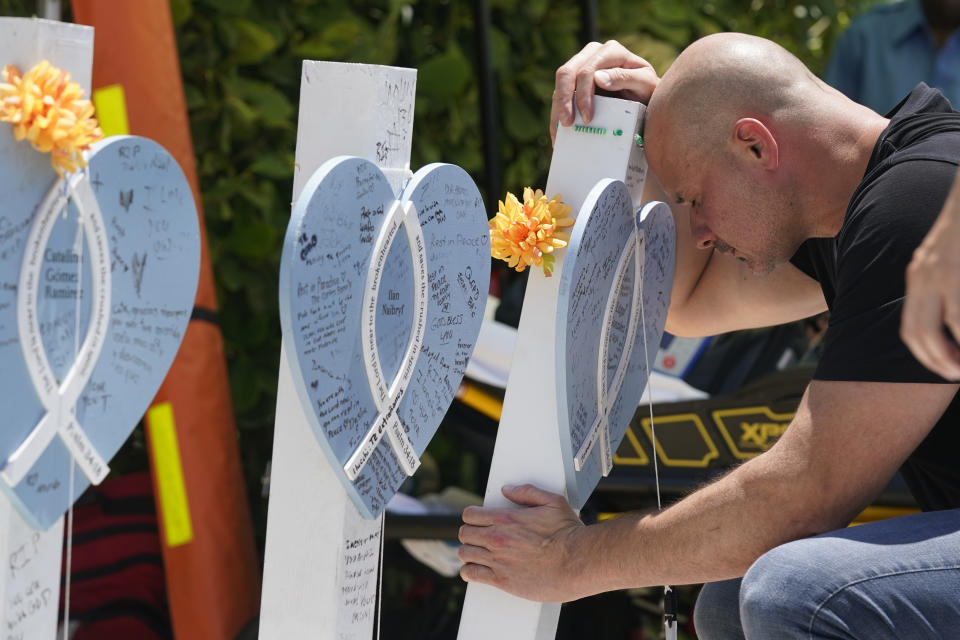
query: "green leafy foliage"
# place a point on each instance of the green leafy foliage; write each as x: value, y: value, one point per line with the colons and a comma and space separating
x: 18, y: 8
x: 660, y: 30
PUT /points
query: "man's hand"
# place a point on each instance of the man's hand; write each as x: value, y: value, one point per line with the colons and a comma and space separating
x: 933, y: 293
x: 528, y: 552
x: 611, y: 67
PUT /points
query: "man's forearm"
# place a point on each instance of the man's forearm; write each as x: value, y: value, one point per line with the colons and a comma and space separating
x: 843, y: 445
x: 713, y: 534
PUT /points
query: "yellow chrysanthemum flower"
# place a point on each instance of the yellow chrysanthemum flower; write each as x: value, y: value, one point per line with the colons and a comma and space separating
x: 526, y: 234
x: 50, y: 112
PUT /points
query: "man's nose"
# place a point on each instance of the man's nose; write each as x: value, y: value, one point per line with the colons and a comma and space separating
x: 703, y: 237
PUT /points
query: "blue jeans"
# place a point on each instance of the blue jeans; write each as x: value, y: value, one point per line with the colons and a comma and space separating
x: 897, y: 578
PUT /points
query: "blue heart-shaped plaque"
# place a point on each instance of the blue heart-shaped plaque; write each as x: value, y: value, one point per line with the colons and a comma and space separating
x: 614, y: 293
x: 381, y: 300
x: 92, y: 313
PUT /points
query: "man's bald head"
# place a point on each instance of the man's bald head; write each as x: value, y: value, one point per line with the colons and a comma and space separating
x: 763, y: 153
x: 721, y: 78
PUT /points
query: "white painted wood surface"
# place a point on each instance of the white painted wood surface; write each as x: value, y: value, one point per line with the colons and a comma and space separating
x: 30, y: 582
x: 317, y: 580
x: 527, y: 448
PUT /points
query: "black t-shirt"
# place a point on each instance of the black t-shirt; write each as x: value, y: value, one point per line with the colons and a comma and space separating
x: 862, y: 274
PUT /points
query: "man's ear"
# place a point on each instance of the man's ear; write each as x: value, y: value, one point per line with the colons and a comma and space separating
x: 753, y: 139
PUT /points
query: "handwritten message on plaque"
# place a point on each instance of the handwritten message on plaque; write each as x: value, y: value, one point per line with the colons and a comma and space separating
x: 381, y: 300
x: 30, y: 579
x: 97, y: 279
x: 614, y: 293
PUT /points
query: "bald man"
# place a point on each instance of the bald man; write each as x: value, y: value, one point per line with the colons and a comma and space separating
x: 790, y: 199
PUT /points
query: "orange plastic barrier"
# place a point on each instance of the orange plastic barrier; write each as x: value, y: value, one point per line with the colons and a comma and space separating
x: 213, y: 580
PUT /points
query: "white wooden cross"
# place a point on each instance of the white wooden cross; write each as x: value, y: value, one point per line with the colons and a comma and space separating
x: 314, y: 531
x: 30, y: 577
x: 62, y: 259
x: 528, y: 448
x: 377, y: 326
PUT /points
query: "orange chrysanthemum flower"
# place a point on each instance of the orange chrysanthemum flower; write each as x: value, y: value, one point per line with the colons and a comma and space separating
x: 526, y: 234
x: 49, y: 111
